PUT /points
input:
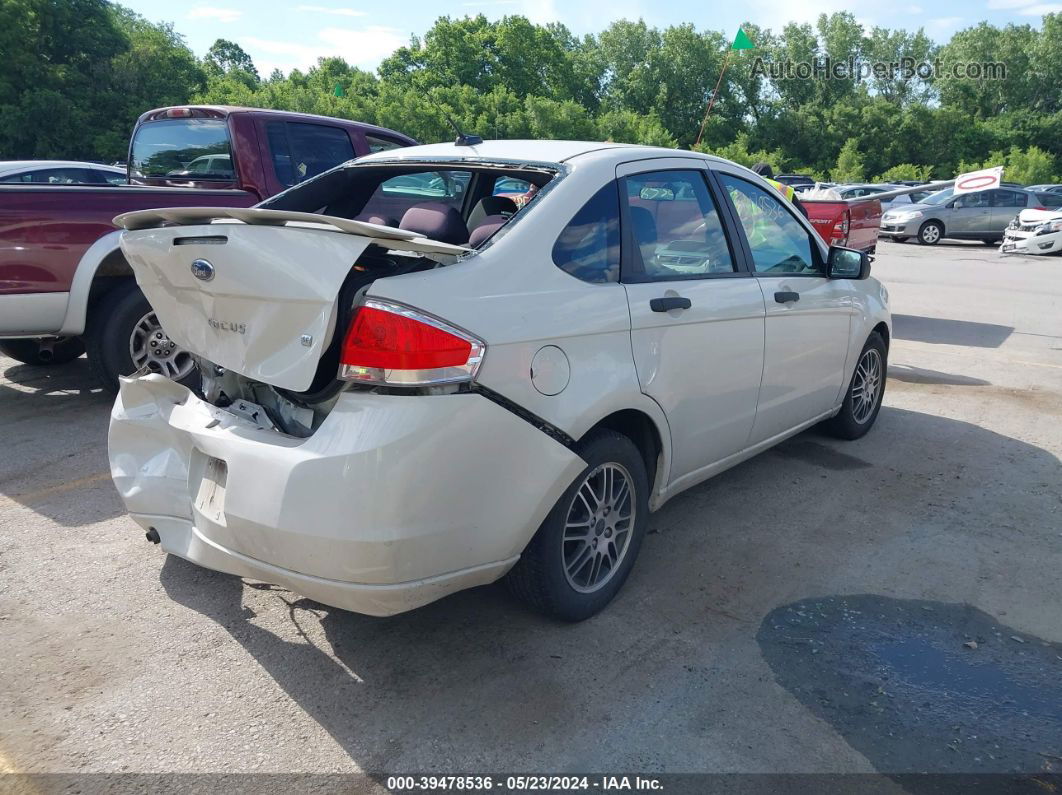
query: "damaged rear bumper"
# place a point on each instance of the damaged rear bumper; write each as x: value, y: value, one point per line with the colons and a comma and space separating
x: 394, y: 502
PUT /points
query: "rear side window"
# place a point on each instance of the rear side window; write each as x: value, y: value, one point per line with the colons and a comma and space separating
x: 378, y: 143
x: 589, y: 246
x: 1009, y: 198
x: 302, y: 150
x: 180, y: 148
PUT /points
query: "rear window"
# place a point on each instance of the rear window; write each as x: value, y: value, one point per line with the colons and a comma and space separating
x: 183, y: 149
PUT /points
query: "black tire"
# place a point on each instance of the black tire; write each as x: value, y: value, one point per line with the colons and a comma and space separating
x: 848, y: 424
x: 44, y: 352
x: 930, y: 233
x: 540, y: 578
x: 991, y: 242
x: 110, y: 328
x: 900, y: 239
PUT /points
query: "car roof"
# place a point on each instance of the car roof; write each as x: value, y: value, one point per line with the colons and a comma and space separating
x: 533, y: 151
x: 9, y: 166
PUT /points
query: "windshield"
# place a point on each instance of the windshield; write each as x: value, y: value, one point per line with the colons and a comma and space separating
x: 940, y: 197
x: 183, y: 149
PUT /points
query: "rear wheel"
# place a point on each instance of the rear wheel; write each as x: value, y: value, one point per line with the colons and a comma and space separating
x: 125, y: 337
x: 862, y: 402
x: 930, y: 233
x: 586, y: 547
x: 45, y: 351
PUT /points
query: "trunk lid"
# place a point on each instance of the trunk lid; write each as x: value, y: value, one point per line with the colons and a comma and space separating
x: 254, y: 291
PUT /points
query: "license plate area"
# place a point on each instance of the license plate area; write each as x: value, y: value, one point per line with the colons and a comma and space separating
x: 210, y: 495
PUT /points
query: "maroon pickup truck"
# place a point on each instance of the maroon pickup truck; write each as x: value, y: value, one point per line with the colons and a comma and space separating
x: 64, y: 285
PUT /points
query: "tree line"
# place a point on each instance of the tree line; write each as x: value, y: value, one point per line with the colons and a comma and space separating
x: 78, y: 73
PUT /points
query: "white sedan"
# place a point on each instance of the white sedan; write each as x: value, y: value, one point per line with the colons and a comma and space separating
x: 407, y: 395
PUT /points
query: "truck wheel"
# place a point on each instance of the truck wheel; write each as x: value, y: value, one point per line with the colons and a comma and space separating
x: 930, y: 233
x: 586, y: 547
x: 49, y: 350
x: 124, y: 337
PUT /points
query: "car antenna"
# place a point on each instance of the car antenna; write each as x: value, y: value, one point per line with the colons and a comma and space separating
x: 462, y: 139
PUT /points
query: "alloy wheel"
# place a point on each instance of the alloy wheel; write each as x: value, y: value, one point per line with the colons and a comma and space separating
x: 597, y: 530
x: 153, y: 351
x: 866, y: 386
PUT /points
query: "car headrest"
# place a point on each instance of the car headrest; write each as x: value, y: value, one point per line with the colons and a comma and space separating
x: 437, y: 221
x: 491, y: 205
x: 486, y: 229
x: 381, y: 220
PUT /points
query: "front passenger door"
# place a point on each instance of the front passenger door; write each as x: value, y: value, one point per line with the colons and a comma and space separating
x: 696, y: 316
x: 808, y: 315
x: 969, y: 215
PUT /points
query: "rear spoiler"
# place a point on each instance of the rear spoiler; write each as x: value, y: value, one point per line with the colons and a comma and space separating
x: 385, y: 236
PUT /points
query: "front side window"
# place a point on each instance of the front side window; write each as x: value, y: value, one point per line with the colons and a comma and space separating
x: 967, y: 201
x: 779, y: 243
x: 676, y: 228
x: 183, y: 148
x: 589, y: 246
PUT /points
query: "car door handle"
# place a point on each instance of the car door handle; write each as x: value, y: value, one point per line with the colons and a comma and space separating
x: 669, y: 302
x: 786, y: 296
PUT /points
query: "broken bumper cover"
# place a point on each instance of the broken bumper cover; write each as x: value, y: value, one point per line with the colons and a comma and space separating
x: 394, y: 502
x: 1019, y: 242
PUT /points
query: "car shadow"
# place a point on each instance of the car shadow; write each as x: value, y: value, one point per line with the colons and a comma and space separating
x: 940, y: 331
x: 478, y: 682
x: 921, y: 375
x: 54, y: 424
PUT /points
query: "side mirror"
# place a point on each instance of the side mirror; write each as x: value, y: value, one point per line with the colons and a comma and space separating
x: 847, y: 263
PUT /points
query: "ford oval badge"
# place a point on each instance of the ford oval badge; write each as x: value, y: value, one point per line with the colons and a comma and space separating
x: 202, y: 270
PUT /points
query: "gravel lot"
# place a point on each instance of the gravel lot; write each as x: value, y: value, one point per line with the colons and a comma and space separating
x: 941, y: 528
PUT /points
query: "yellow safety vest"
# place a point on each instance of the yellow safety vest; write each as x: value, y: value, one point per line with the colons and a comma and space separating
x: 785, y: 190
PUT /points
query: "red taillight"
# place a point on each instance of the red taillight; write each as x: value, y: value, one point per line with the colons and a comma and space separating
x: 394, y: 345
x: 839, y: 235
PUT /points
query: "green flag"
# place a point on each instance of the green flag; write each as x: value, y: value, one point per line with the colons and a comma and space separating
x: 742, y: 41
x: 338, y: 90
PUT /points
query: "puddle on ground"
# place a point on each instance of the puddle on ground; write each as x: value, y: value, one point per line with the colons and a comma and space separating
x: 896, y: 679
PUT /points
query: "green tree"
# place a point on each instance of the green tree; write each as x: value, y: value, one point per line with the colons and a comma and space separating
x: 227, y: 57
x: 849, y: 166
x: 906, y: 171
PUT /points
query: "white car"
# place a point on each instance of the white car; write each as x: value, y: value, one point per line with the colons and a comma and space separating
x: 403, y: 398
x: 1034, y: 232
x: 60, y: 172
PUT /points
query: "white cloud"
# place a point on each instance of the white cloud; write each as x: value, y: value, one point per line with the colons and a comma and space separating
x: 483, y: 3
x: 365, y: 47
x: 339, y: 12
x: 214, y: 13
x: 1009, y: 3
x: 1040, y: 9
x: 914, y: 9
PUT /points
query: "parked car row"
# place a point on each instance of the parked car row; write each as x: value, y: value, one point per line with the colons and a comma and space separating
x: 981, y: 215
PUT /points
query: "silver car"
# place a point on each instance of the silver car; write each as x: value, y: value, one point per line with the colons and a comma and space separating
x: 970, y: 216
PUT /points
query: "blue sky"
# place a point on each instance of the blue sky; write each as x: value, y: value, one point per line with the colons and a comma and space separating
x: 295, y: 33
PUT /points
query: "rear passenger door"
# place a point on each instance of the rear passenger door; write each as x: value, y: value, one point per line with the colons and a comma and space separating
x: 808, y: 315
x: 1006, y: 204
x: 697, y: 314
